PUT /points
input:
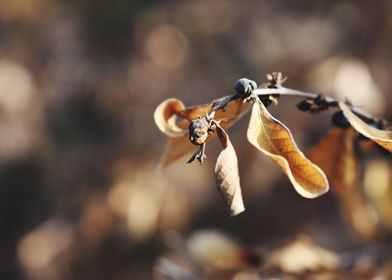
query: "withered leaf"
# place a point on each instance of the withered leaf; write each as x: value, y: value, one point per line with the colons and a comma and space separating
x: 166, y: 119
x: 227, y: 176
x: 360, y: 214
x: 274, y: 139
x: 173, y: 119
x: 229, y: 113
x: 381, y: 137
x: 334, y: 154
x: 176, y: 148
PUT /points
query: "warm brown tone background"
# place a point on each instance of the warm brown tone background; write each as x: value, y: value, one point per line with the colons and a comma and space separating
x: 79, y: 80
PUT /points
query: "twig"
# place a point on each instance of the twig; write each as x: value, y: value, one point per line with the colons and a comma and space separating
x: 332, y: 102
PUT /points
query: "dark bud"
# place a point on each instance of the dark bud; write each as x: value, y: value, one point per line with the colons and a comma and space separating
x: 266, y: 100
x: 304, y: 105
x: 244, y: 87
x: 339, y: 120
x: 198, y: 131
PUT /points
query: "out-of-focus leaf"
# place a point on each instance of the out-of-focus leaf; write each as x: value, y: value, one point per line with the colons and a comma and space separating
x: 301, y: 255
x: 274, y: 139
x: 226, y: 175
x: 215, y: 250
x: 361, y: 214
x: 176, y: 148
x: 377, y: 184
x: 381, y: 137
x: 173, y: 119
x: 334, y: 154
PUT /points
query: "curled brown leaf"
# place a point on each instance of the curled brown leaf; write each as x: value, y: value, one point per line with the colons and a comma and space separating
x: 334, y: 154
x: 274, y: 139
x: 381, y: 137
x: 166, y: 119
x: 227, y: 176
x: 173, y: 119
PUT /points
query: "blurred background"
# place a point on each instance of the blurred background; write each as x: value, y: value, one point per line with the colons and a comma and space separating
x: 80, y: 197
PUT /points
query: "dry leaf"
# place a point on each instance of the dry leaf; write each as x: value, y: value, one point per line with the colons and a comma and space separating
x: 176, y: 148
x: 214, y: 250
x: 361, y: 215
x: 274, y: 139
x: 334, y: 154
x: 227, y: 176
x: 378, y: 188
x: 173, y: 119
x: 381, y: 137
x: 165, y: 117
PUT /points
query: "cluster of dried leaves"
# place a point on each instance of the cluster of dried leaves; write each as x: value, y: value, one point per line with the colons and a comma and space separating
x: 196, y: 125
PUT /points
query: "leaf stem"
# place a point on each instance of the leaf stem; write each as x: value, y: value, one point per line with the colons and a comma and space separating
x: 333, y: 102
x: 220, y: 104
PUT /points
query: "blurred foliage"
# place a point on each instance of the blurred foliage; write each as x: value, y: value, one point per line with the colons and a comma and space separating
x: 79, y: 80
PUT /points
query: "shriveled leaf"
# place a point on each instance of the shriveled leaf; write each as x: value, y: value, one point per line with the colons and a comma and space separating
x: 274, y: 139
x: 229, y: 113
x: 377, y: 185
x: 381, y: 137
x: 227, y: 176
x: 166, y: 119
x: 176, y: 148
x: 334, y: 154
x: 173, y: 119
x: 361, y: 214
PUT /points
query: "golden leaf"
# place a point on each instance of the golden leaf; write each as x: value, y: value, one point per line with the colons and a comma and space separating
x: 173, y: 119
x: 361, y: 214
x: 274, y: 139
x: 165, y: 117
x: 378, y: 188
x: 229, y: 113
x: 381, y: 137
x: 227, y: 176
x: 334, y: 154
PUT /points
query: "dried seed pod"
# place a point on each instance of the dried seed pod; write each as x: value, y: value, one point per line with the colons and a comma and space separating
x: 304, y: 105
x: 339, y: 120
x: 198, y: 131
x: 275, y: 79
x: 244, y: 87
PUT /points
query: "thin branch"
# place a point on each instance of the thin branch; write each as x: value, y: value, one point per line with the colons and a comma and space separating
x: 333, y: 102
x: 222, y: 103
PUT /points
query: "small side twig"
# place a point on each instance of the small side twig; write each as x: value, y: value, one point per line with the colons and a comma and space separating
x: 332, y: 101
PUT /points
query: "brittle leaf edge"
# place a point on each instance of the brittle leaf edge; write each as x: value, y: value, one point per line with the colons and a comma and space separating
x: 227, y: 175
x: 306, y: 177
x: 381, y: 137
